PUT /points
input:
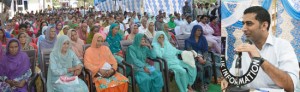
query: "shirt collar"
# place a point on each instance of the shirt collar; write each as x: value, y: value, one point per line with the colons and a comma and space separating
x: 270, y: 39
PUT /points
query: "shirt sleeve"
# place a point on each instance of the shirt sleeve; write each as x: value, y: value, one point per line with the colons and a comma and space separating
x: 288, y: 61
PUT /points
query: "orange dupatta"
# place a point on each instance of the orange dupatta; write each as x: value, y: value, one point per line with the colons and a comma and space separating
x: 95, y: 58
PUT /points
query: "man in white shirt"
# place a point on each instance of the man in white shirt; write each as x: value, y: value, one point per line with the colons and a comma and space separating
x: 143, y: 27
x: 187, y: 26
x: 278, y: 61
x: 198, y: 20
x: 199, y: 9
x: 178, y: 20
x: 9, y: 28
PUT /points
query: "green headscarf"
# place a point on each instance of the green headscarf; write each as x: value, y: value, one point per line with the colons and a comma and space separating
x: 114, y: 41
x: 171, y: 23
x: 136, y: 53
x: 72, y: 26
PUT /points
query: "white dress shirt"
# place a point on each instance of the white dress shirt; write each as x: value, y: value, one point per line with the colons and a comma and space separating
x: 142, y: 29
x: 280, y: 54
x: 186, y: 27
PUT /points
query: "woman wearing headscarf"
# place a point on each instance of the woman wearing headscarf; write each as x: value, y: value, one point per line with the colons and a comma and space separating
x: 42, y: 37
x: 150, y: 33
x: 83, y: 32
x: 76, y: 43
x: 164, y: 49
x: 64, y: 30
x: 94, y: 30
x: 63, y: 64
x: 3, y: 38
x: 25, y: 41
x: 99, y: 59
x: 48, y: 42
x: 215, y: 25
x: 1, y: 51
x: 58, y: 27
x: 147, y: 77
x: 171, y: 23
x: 42, y: 25
x: 169, y: 35
x: 198, y: 43
x: 14, y: 68
x: 113, y: 39
x: 134, y: 30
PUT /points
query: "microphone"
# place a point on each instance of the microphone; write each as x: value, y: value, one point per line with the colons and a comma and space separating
x: 238, y: 63
x: 239, y: 80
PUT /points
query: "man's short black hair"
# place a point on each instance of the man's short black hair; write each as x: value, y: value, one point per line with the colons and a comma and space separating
x: 262, y: 14
x: 199, y: 16
x: 212, y: 18
x: 188, y: 16
x: 22, y: 26
x: 203, y: 16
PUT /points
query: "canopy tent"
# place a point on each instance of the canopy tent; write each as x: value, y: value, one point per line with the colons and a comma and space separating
x: 151, y: 6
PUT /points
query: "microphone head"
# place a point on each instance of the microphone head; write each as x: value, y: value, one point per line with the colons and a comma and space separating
x: 249, y: 41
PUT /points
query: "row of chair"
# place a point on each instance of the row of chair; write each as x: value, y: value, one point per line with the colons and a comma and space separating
x: 86, y: 74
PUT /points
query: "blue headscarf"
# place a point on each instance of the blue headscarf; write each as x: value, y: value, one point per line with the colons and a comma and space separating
x: 114, y: 41
x: 201, y: 45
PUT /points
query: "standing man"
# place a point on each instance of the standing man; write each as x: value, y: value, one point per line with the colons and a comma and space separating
x: 186, y: 9
x: 278, y: 61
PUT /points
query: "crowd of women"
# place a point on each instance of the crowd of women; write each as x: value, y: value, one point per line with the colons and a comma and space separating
x: 65, y: 33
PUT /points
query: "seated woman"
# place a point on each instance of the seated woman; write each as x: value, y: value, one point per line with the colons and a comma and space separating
x: 134, y: 30
x: 103, y: 65
x: 42, y: 36
x: 64, y: 63
x: 94, y: 30
x: 82, y: 31
x: 64, y: 30
x: 25, y: 41
x: 14, y: 68
x: 3, y: 38
x: 198, y: 43
x: 164, y: 49
x: 47, y: 43
x: 113, y: 39
x: 169, y: 35
x: 147, y: 77
x: 150, y: 33
x: 1, y: 51
x: 76, y: 43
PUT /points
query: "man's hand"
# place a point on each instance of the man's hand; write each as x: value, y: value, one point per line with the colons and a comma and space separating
x: 251, y: 49
x: 224, y: 85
